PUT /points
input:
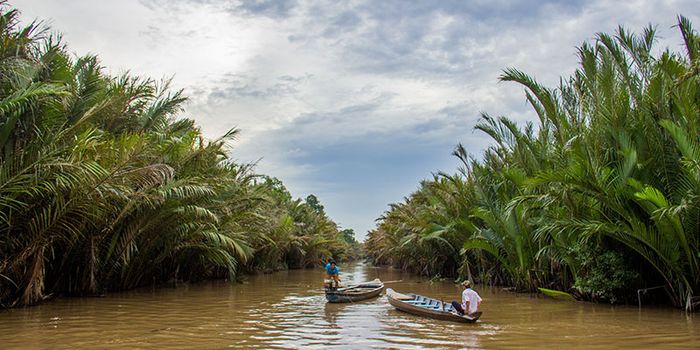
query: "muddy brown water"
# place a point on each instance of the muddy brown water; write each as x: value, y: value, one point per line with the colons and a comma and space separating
x: 288, y: 310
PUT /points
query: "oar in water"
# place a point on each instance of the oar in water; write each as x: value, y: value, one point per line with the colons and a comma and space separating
x: 395, y: 281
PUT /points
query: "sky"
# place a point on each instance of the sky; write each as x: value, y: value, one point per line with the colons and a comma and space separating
x: 354, y: 101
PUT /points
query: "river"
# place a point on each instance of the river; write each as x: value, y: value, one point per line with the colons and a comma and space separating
x: 288, y: 310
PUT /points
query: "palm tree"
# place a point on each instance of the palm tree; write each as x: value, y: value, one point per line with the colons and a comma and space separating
x: 611, y: 168
x: 103, y: 187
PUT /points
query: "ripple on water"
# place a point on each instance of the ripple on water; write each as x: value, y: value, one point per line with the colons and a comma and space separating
x: 288, y: 310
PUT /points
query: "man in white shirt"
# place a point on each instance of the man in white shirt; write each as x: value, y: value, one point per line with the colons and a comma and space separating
x: 471, y: 301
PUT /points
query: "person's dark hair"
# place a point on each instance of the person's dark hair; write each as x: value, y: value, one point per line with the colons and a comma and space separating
x: 333, y: 262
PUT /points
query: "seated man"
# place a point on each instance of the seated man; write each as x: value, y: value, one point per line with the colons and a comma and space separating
x: 471, y: 301
x: 333, y: 273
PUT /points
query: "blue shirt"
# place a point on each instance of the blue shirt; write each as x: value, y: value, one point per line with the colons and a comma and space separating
x: 332, y: 270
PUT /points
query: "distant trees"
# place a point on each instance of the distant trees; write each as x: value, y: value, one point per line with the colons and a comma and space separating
x: 314, y: 203
x: 348, y: 235
x: 599, y: 197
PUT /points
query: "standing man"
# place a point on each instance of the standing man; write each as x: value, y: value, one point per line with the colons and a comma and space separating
x: 333, y: 273
x: 471, y: 301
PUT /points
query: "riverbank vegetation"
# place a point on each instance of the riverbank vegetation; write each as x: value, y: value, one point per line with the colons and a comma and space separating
x: 104, y: 187
x: 600, y: 196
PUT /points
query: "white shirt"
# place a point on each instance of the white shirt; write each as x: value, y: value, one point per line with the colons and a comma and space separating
x: 473, y: 298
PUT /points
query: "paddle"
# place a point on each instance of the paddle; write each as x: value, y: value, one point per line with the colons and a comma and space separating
x: 395, y: 281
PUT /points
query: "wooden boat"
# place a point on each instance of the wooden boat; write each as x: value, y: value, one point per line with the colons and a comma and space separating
x: 355, y: 293
x: 428, y: 307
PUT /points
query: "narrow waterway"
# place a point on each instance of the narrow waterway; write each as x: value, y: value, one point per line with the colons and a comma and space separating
x: 288, y: 310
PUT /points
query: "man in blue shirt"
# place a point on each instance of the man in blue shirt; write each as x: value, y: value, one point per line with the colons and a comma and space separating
x: 333, y: 272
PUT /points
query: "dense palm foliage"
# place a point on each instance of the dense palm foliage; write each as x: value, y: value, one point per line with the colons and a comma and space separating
x: 102, y: 187
x: 600, y: 196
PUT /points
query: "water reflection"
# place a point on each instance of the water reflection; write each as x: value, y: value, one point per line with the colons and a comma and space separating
x: 288, y: 310
x: 330, y: 313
